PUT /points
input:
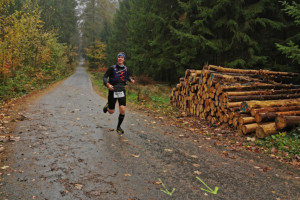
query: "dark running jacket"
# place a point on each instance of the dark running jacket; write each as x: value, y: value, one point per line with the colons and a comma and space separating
x: 117, y: 75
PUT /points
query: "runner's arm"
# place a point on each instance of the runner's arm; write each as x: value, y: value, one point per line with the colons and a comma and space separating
x: 130, y: 79
x: 107, y: 74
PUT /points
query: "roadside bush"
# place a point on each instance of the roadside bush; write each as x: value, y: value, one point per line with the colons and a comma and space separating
x: 284, y: 142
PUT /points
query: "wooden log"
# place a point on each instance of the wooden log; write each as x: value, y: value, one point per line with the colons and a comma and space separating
x: 255, y: 86
x: 246, y: 120
x: 235, y: 122
x: 245, y: 71
x: 214, y: 120
x: 188, y: 73
x: 268, y: 72
x: 262, y: 97
x: 198, y: 72
x: 235, y: 109
x: 225, y: 118
x: 230, y: 70
x: 289, y: 113
x: 231, y: 79
x: 270, y: 116
x: 261, y: 92
x: 249, y: 128
x: 248, y: 105
x: 265, y: 130
x: 273, y: 109
x: 234, y: 104
x: 284, y: 122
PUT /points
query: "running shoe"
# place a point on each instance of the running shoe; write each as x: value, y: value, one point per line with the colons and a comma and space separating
x: 105, y: 108
x: 120, y: 130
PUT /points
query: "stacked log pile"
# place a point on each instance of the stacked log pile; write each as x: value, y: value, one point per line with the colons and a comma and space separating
x: 249, y: 100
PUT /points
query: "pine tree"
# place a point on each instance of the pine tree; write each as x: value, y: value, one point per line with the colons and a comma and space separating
x: 292, y: 49
x: 227, y: 32
x: 119, y: 36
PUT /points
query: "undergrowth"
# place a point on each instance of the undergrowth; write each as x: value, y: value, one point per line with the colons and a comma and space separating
x: 283, y: 144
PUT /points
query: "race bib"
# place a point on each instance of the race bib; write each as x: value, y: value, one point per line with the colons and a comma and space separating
x: 119, y: 94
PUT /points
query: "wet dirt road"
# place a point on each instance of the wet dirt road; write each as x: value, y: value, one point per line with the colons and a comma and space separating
x: 69, y: 150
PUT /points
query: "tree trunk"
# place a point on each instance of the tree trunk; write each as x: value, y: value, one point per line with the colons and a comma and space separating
x: 232, y: 79
x: 266, y: 117
x: 246, y: 120
x: 283, y: 122
x: 230, y: 70
x: 249, y: 128
x: 244, y: 71
x: 262, y: 92
x: 273, y: 109
x: 248, y: 105
x: 256, y: 86
x: 262, y: 97
x: 265, y: 130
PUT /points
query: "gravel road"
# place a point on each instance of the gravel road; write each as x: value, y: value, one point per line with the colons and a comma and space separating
x: 68, y: 149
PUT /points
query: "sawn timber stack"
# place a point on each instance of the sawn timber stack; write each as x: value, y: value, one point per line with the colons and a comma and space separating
x: 249, y: 100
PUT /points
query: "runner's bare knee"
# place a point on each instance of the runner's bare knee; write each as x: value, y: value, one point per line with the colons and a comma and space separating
x: 122, y: 110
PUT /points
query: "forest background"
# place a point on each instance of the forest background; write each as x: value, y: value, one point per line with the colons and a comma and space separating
x: 40, y: 40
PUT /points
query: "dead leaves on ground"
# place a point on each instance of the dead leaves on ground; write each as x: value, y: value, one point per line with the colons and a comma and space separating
x: 8, y: 138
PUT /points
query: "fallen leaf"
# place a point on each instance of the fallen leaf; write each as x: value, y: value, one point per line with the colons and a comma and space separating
x: 197, y: 172
x: 78, y: 186
x: 218, y: 143
x: 5, y: 167
x: 225, y: 153
x: 194, y: 156
x: 266, y: 169
x: 196, y: 165
x: 127, y: 174
x: 135, y: 156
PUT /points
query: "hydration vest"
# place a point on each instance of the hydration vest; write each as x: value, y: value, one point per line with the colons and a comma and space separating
x: 119, y: 76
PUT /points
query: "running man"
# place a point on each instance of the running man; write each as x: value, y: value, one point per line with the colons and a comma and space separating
x: 118, y: 76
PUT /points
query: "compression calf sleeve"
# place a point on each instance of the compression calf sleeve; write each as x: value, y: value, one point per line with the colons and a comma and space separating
x: 121, y: 118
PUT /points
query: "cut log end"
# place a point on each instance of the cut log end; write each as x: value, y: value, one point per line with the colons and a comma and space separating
x: 284, y: 122
x: 265, y: 130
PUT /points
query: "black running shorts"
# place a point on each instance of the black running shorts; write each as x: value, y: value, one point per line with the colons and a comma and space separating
x: 112, y: 101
